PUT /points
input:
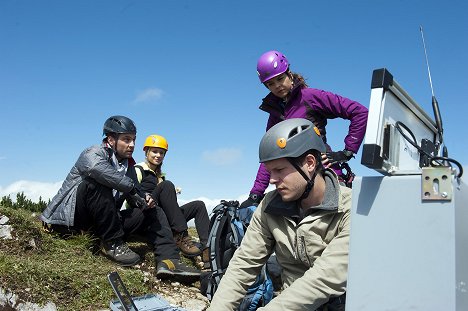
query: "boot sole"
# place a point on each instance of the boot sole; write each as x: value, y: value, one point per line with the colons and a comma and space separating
x: 187, y: 278
x: 164, y: 275
x: 123, y: 264
x: 190, y: 255
x: 182, y: 277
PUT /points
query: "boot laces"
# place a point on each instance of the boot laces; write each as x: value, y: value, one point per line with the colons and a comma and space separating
x: 122, y: 249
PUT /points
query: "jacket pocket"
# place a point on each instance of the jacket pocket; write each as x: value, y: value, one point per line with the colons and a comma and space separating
x: 309, y: 248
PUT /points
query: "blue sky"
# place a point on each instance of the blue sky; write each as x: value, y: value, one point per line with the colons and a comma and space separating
x: 186, y: 70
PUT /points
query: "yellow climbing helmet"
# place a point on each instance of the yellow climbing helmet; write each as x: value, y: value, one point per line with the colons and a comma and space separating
x: 155, y: 141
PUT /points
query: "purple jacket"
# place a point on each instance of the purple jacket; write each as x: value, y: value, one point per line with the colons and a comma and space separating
x: 317, y: 106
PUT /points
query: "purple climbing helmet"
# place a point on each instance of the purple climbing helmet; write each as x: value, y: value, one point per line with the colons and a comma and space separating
x: 271, y: 64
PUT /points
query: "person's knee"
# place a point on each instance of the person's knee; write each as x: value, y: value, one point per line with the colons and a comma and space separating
x: 199, y: 204
x: 167, y: 185
x: 133, y: 219
x: 137, y: 213
x: 90, y: 192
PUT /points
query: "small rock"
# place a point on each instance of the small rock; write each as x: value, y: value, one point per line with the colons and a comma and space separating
x: 201, y: 297
x: 194, y: 305
x: 4, y: 220
x: 5, y: 232
x: 32, y: 243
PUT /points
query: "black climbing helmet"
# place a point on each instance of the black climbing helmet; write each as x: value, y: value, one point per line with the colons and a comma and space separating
x: 119, y: 125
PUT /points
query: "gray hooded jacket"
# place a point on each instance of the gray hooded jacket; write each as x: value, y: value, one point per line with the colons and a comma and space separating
x: 94, y: 162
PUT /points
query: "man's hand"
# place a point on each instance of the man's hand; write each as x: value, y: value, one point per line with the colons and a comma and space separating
x: 136, y: 200
x: 334, y: 157
x: 253, y: 200
x: 150, y: 202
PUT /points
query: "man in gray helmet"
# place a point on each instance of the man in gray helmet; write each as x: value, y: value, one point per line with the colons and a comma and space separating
x: 305, y: 221
x: 93, y: 192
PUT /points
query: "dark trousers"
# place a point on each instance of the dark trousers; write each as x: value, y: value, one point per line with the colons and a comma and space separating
x: 166, y: 197
x: 96, y: 211
x: 197, y: 210
x: 334, y: 304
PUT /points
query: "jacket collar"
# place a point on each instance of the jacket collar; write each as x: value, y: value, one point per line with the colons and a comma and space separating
x: 110, y: 151
x: 146, y: 167
x: 272, y: 102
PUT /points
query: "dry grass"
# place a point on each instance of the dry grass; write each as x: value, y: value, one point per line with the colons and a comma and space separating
x: 40, y: 267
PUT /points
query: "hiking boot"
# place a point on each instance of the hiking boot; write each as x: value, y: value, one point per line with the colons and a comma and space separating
x: 118, y: 251
x: 174, y: 268
x: 206, y: 258
x: 186, y: 245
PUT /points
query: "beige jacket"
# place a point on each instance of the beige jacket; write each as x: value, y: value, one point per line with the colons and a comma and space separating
x: 312, y: 251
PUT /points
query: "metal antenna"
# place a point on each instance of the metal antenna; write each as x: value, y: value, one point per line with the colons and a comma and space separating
x: 427, y: 61
x: 435, y: 104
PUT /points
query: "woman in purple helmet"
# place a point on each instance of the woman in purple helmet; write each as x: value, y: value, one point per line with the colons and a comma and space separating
x: 290, y: 97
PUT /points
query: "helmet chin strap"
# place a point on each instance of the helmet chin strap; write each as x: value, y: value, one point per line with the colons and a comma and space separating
x: 114, y: 147
x: 310, y: 181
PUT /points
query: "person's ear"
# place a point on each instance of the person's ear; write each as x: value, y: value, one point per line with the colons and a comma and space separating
x: 311, y: 162
x: 111, y: 140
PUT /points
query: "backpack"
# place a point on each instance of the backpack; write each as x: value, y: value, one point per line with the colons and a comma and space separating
x: 228, y: 224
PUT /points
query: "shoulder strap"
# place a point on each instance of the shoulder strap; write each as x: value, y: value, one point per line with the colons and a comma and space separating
x: 140, y: 172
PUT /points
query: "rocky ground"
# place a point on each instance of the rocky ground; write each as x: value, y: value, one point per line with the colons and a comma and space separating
x: 181, y: 296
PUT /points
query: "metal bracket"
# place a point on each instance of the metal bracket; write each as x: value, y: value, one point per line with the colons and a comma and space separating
x: 436, y: 183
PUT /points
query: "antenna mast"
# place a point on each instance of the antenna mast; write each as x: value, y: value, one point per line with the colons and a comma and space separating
x: 435, y: 104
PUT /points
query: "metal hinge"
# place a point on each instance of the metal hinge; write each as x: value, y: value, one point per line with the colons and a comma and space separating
x: 436, y: 183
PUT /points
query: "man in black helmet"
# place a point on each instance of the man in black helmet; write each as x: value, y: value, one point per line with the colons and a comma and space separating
x: 92, y: 195
x: 305, y: 222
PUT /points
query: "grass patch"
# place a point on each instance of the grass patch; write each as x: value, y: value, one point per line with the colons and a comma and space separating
x: 40, y: 267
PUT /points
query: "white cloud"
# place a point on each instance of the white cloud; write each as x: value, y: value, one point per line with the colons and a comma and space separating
x: 223, y: 156
x: 209, y: 203
x: 34, y: 189
x: 2, y: 158
x: 31, y: 189
x: 148, y: 95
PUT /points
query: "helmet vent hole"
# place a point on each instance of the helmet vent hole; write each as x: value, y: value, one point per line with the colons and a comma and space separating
x: 116, y: 121
x: 297, y: 130
x: 293, y: 133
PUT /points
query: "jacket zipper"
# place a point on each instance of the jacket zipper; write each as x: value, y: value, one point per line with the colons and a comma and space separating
x: 305, y: 250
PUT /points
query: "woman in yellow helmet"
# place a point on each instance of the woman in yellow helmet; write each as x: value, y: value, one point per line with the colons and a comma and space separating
x: 153, y: 181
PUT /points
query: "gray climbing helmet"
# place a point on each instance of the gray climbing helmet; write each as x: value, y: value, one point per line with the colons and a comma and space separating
x: 119, y: 125
x: 290, y: 139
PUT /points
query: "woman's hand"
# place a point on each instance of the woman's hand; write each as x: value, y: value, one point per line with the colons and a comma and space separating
x: 150, y: 202
x: 325, y: 162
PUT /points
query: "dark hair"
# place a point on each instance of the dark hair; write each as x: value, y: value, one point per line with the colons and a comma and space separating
x: 158, y: 171
x: 320, y: 169
x: 298, y: 78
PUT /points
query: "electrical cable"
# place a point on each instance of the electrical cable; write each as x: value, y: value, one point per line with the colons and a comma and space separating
x: 446, y: 159
x: 412, y: 140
